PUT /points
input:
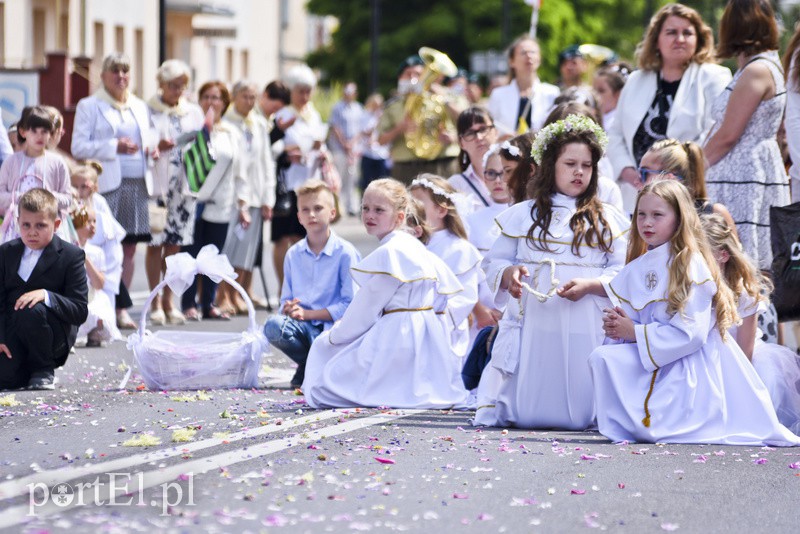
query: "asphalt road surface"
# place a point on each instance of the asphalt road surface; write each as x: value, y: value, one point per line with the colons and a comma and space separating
x: 89, y: 457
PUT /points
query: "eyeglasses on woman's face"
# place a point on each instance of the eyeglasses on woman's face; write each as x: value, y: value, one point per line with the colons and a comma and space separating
x: 472, y: 134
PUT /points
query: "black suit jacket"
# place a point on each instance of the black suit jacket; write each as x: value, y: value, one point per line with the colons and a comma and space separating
x: 60, y: 271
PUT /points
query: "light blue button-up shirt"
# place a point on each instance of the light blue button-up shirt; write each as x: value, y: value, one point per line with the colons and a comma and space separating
x: 320, y: 281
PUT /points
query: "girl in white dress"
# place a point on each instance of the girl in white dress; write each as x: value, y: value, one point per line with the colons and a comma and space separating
x: 100, y: 325
x: 109, y: 233
x: 449, y: 242
x: 675, y: 375
x: 538, y: 376
x: 389, y: 348
x: 481, y: 228
x: 777, y: 365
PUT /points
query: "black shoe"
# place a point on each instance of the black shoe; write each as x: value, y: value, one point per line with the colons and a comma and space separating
x: 42, y: 380
x: 297, y: 379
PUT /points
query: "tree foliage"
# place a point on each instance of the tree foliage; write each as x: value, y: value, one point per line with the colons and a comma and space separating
x: 461, y: 27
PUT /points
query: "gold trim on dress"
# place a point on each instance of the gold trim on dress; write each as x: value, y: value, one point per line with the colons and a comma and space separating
x: 398, y: 310
x: 646, y: 420
x: 468, y: 270
x: 646, y: 304
x: 485, y: 406
x: 647, y: 344
x: 433, y: 278
x: 548, y: 242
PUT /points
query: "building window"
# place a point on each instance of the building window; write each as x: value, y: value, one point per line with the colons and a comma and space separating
x: 63, y: 32
x: 138, y: 66
x: 39, y: 34
x: 229, y: 65
x: 245, y: 58
x: 99, y: 42
x: 119, y: 39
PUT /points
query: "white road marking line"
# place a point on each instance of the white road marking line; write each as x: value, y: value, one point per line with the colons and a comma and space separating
x: 19, y: 514
x: 20, y: 486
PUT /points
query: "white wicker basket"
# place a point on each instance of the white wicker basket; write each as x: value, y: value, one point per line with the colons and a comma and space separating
x: 172, y: 359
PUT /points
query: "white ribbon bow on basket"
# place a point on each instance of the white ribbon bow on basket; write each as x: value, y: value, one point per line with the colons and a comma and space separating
x: 181, y: 271
x: 182, y: 268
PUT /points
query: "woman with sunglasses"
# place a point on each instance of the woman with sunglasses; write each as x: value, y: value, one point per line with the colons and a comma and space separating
x: 670, y: 159
x: 476, y: 133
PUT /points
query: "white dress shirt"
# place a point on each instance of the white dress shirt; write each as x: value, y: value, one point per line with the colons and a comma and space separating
x: 26, y: 265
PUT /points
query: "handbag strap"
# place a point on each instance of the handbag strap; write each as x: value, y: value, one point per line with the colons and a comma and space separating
x: 475, y: 189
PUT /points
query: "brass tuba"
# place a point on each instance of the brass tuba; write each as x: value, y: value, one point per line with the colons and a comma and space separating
x: 427, y: 110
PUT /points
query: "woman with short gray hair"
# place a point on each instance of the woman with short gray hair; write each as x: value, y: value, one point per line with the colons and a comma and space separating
x: 114, y: 127
x: 173, y: 117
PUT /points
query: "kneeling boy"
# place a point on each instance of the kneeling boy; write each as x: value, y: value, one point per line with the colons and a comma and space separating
x: 43, y: 296
x: 317, y: 286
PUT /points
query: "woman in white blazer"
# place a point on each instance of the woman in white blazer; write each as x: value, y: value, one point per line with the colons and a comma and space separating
x: 671, y: 95
x: 222, y: 198
x: 114, y: 127
x: 525, y: 97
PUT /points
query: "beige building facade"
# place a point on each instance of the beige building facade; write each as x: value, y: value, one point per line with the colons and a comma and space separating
x: 220, y: 39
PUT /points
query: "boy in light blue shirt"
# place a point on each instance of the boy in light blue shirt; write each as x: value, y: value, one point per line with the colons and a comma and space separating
x: 317, y: 286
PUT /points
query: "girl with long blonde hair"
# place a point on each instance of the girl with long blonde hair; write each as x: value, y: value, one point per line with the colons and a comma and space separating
x: 776, y: 365
x: 674, y: 374
x: 449, y: 242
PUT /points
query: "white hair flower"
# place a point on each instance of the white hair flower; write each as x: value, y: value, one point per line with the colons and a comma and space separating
x: 573, y: 123
x: 433, y: 188
x: 511, y: 149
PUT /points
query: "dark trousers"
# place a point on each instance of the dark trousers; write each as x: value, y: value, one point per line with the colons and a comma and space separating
x: 37, y: 340
x: 205, y: 233
x: 372, y: 169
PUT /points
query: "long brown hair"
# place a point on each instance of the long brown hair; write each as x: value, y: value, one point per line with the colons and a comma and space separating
x: 747, y: 27
x: 587, y: 223
x: 688, y: 240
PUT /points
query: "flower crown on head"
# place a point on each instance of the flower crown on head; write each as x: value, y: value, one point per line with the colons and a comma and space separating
x: 573, y: 123
x: 433, y: 188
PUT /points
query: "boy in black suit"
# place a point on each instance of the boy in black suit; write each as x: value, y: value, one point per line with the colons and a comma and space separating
x: 43, y: 296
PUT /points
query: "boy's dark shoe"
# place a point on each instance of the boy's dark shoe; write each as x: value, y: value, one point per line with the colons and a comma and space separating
x: 42, y: 380
x: 299, y: 375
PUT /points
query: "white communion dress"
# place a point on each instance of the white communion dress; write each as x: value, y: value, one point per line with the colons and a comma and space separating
x: 778, y: 367
x: 390, y: 348
x: 680, y: 382
x: 100, y: 305
x: 538, y: 376
x: 465, y: 261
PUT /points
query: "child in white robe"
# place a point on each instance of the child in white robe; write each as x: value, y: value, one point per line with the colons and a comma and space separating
x: 100, y: 326
x: 776, y: 365
x: 481, y: 228
x: 110, y: 233
x: 675, y: 375
x: 538, y: 375
x: 389, y: 348
x: 449, y: 242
